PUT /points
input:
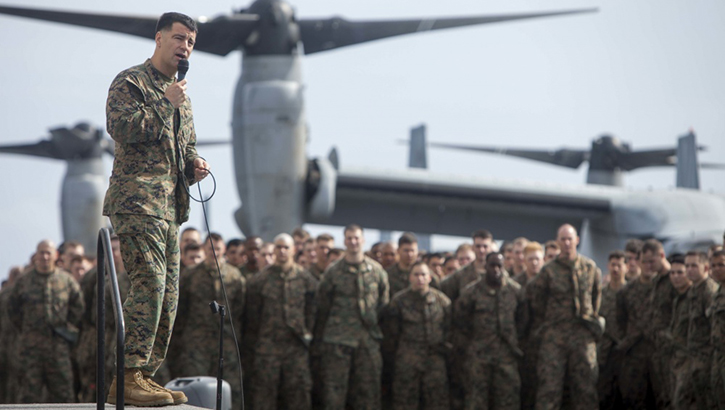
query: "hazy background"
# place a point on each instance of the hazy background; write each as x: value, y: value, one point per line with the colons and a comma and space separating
x: 646, y: 71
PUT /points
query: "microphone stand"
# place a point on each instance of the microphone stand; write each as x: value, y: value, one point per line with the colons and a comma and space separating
x: 217, y: 308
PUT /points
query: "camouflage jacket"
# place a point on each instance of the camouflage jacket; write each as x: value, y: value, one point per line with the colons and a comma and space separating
x: 663, y: 293
x: 493, y: 319
x: 455, y: 283
x: 399, y: 279
x: 612, y: 333
x: 419, y: 322
x: 42, y: 304
x: 199, y: 287
x: 716, y: 314
x: 248, y: 273
x: 566, y: 291
x: 155, y: 147
x: 634, y: 310
x: 316, y: 272
x: 700, y: 298
x: 280, y: 309
x: 350, y: 299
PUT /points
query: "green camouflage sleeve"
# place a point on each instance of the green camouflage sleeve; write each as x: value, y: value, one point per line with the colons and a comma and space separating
x: 131, y: 117
x: 324, y: 304
x: 76, y: 305
x: 190, y: 155
x: 384, y: 289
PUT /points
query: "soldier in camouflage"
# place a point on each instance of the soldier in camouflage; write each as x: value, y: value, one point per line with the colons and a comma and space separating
x: 149, y: 117
x: 350, y: 299
x: 610, y: 359
x: 566, y: 296
x: 674, y: 340
x: 716, y: 314
x: 699, y: 351
x: 196, y: 327
x: 452, y: 286
x: 492, y: 313
x: 279, y: 320
x: 661, y: 298
x: 8, y: 335
x: 252, y: 246
x: 46, y: 306
x: 419, y: 319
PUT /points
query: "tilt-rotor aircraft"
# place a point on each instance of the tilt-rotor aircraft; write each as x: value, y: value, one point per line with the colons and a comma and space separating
x: 280, y: 188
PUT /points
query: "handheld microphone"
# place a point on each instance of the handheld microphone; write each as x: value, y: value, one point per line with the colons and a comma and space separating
x: 182, y: 68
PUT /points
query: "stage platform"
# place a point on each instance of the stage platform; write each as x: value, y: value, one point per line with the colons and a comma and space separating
x: 87, y: 406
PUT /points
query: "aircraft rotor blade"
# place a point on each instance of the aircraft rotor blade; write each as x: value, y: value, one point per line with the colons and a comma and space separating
x: 327, y: 34
x: 650, y: 158
x: 44, y: 149
x: 562, y: 157
x: 712, y: 165
x: 219, y: 36
x: 209, y: 143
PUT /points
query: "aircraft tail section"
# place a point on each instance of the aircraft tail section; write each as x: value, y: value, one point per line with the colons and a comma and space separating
x: 418, y: 148
x: 688, y: 175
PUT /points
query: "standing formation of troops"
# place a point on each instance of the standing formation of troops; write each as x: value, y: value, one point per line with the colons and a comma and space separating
x: 531, y: 327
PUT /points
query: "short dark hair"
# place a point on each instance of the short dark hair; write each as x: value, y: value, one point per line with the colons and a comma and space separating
x: 215, y: 237
x: 552, y: 245
x: 493, y: 254
x: 701, y: 256
x: 234, y: 242
x: 482, y: 233
x: 653, y: 246
x: 352, y: 227
x: 634, y: 246
x: 718, y: 254
x: 66, y: 245
x: 408, y: 238
x: 616, y: 255
x: 168, y: 19
x: 325, y: 237
x: 677, y: 258
x: 420, y: 263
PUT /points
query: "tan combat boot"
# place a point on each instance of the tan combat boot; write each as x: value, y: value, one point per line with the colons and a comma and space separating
x: 138, y: 392
x: 178, y: 396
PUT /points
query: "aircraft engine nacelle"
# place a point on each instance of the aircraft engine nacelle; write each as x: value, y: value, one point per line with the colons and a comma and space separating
x: 320, y: 193
x: 81, y: 203
x: 269, y: 156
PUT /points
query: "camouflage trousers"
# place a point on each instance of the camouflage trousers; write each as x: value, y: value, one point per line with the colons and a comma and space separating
x: 351, y: 375
x: 420, y: 380
x: 635, y: 376
x: 568, y: 354
x: 691, y: 384
x: 527, y: 371
x: 493, y: 380
x: 200, y: 357
x: 608, y: 383
x: 150, y: 251
x: 661, y: 376
x: 717, y: 378
x: 44, y: 362
x: 288, y: 373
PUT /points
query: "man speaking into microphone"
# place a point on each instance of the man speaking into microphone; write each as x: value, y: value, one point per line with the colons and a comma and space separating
x: 149, y: 117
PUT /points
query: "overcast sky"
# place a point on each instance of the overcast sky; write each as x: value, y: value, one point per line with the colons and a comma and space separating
x: 645, y: 71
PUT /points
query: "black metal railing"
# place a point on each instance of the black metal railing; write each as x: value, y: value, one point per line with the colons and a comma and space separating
x: 106, y: 264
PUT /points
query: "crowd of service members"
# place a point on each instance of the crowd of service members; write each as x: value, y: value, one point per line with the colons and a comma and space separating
x: 318, y: 326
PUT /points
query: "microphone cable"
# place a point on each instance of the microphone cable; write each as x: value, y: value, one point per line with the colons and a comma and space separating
x: 203, y: 202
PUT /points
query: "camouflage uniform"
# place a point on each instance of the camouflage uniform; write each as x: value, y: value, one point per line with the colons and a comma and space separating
x: 610, y: 359
x: 316, y: 272
x: 492, y: 319
x: 634, y: 309
x: 663, y: 294
x: 198, y: 329
x: 280, y: 315
x: 529, y: 344
x: 147, y: 201
x: 452, y: 286
x: 566, y: 296
x: 88, y: 342
x: 716, y: 314
x: 419, y: 327
x: 47, y: 309
x: 349, y: 300
x: 700, y: 298
x: 674, y: 342
x: 8, y: 333
x: 398, y: 280
x: 248, y: 273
